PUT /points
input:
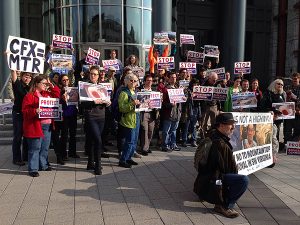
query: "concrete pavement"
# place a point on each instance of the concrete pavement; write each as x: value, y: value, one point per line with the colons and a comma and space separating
x: 158, y: 191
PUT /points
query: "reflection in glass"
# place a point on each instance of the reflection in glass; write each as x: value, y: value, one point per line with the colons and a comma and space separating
x: 85, y: 2
x: 89, y: 23
x: 111, y: 23
x: 132, y: 25
x: 147, y: 3
x: 147, y: 32
x: 70, y: 22
x: 111, y: 2
x: 133, y: 2
x: 69, y: 2
x: 131, y: 50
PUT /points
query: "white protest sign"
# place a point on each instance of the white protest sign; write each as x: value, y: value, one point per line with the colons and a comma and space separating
x: 219, y: 71
x: 161, y: 38
x: 61, y: 41
x: 176, y: 95
x: 6, y: 108
x: 49, y: 107
x: 197, y: 57
x: 187, y: 39
x: 293, y: 148
x: 25, y: 55
x: 165, y: 63
x: 211, y: 51
x: 111, y: 62
x: 287, y: 110
x: 62, y: 63
x: 242, y: 67
x: 92, y: 57
x: 244, y: 100
x: 252, y: 141
x: 189, y: 66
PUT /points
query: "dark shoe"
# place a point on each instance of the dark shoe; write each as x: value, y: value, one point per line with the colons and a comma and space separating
x: 166, y: 149
x: 194, y: 144
x: 176, y: 148
x: 124, y: 164
x: 184, y: 144
x: 49, y: 168
x: 272, y: 165
x: 65, y: 158
x: 229, y: 213
x: 90, y: 167
x: 131, y: 162
x: 19, y: 163
x: 108, y: 144
x: 75, y: 156
x: 144, y: 153
x: 104, y: 155
x: 98, y: 171
x: 34, y: 174
x: 60, y: 161
x: 149, y: 151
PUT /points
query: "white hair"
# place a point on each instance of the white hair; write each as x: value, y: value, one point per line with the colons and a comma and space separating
x: 129, y: 76
x: 273, y: 84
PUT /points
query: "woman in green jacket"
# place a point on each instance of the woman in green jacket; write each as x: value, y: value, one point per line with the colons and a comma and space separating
x: 236, y: 88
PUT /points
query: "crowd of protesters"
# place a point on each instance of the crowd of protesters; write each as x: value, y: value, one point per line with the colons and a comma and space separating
x: 175, y: 125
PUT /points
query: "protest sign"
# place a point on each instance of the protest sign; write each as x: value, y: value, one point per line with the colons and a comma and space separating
x: 287, y: 110
x: 6, y: 108
x: 184, y: 83
x: 91, y: 92
x: 139, y: 72
x: 109, y: 88
x: 187, y: 39
x: 92, y: 57
x: 242, y: 67
x: 111, y: 62
x: 293, y: 148
x: 155, y: 98
x: 191, y: 67
x: 25, y: 55
x: 197, y: 57
x: 160, y: 38
x: 176, y: 95
x: 144, y: 98
x: 72, y: 95
x: 252, y: 141
x: 165, y: 63
x: 60, y: 114
x: 211, y: 51
x: 209, y: 93
x: 172, y: 37
x: 49, y: 107
x: 219, y: 71
x: 61, y: 41
x: 244, y: 100
x: 62, y: 63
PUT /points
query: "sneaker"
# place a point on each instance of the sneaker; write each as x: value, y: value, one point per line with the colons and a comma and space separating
x: 229, y: 213
x: 144, y: 153
x: 137, y: 155
x: 131, y: 162
x: 166, y: 149
x: 184, y: 144
x: 19, y: 163
x: 124, y: 164
x: 149, y: 151
x: 34, y: 174
x: 176, y: 148
x: 194, y: 144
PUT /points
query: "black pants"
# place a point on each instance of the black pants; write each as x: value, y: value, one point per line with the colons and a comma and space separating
x: 69, y: 126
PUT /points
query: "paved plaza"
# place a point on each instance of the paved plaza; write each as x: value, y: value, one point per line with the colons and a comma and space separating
x: 158, y: 191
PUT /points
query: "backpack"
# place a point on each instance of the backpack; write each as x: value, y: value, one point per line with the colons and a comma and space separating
x: 117, y: 115
x: 202, y: 152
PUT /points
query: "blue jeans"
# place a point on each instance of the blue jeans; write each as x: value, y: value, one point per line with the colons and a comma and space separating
x: 169, y: 133
x: 17, y: 140
x: 95, y: 128
x: 131, y: 138
x: 235, y: 185
x: 38, y: 150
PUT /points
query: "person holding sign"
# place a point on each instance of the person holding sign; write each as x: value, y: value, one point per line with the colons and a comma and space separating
x: 153, y: 55
x: 38, y: 130
x: 94, y: 114
x: 236, y: 88
x: 20, y: 89
x: 220, y: 171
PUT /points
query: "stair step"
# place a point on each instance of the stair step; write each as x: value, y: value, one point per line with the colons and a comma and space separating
x: 6, y: 133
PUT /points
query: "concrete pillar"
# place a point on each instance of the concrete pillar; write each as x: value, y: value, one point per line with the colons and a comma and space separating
x: 9, y: 25
x: 234, y: 20
x: 161, y: 15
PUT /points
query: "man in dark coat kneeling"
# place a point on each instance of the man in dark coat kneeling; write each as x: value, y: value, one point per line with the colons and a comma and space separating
x: 217, y: 181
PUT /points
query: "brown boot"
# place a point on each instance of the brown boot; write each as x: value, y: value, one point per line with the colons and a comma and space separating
x: 229, y: 213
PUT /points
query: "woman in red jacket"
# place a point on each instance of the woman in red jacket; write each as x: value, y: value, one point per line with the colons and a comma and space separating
x: 37, y: 130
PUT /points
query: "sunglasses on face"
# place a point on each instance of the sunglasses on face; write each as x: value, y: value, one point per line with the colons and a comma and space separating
x: 133, y: 81
x: 280, y: 84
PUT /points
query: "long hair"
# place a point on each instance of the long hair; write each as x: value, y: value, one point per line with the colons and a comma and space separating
x: 37, y: 80
x: 128, y: 62
x: 272, y: 86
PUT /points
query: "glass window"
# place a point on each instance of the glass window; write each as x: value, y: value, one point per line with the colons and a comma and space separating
x: 111, y: 2
x: 45, y: 5
x: 86, y: 2
x: 70, y: 22
x: 131, y: 50
x: 133, y: 2
x: 147, y: 31
x: 147, y: 3
x: 132, y: 25
x: 69, y: 2
x: 89, y: 23
x: 111, y: 20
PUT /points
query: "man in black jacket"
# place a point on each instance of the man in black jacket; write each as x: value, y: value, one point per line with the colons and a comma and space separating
x: 220, y: 171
